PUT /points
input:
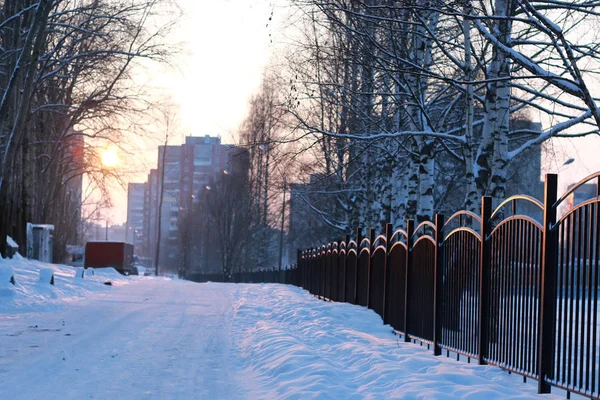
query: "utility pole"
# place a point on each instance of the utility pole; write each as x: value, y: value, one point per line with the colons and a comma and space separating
x: 282, y: 221
x: 107, y: 230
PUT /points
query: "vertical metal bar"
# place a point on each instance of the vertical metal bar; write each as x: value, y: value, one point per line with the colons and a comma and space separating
x: 568, y: 283
x: 461, y: 309
x: 387, y: 273
x: 344, y: 272
x: 444, y: 290
x: 484, y: 280
x: 548, y: 293
x: 521, y: 299
x: 451, y: 280
x: 437, y: 283
x: 561, y: 285
x: 471, y: 272
x: 463, y: 274
x: 358, y: 240
x: 583, y: 269
x: 590, y: 288
x: 574, y: 262
x: 538, y: 289
x: 369, y: 266
x: 454, y: 278
x: 494, y: 289
x: 503, y: 323
x: 595, y: 313
x: 473, y: 276
x: 577, y: 294
x: 530, y: 296
x: 410, y: 230
x: 509, y: 316
x: 517, y: 316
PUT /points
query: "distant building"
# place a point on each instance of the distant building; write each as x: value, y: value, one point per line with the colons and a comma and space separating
x: 188, y: 169
x: 116, y: 233
x: 525, y: 172
x: 151, y: 214
x: 585, y: 192
x: 134, y: 232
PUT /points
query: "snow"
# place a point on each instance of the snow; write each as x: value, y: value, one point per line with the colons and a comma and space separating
x: 29, y: 295
x: 11, y: 243
x: 6, y: 273
x: 46, y: 276
x: 148, y: 337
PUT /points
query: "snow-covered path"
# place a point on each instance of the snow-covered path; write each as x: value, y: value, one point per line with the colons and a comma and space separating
x: 163, y: 339
x: 153, y: 339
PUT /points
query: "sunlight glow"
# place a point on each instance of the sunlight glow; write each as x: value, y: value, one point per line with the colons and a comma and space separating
x: 110, y: 158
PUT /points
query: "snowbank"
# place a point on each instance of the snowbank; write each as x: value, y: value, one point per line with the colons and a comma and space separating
x: 301, y: 347
x: 32, y: 290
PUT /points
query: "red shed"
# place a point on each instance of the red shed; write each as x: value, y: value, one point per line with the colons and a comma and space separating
x: 118, y: 255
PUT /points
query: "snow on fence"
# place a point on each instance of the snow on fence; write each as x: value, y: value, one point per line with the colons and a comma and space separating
x: 500, y: 287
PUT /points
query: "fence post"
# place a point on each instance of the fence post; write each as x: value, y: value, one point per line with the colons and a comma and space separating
x: 410, y: 230
x: 547, y: 316
x: 437, y: 283
x: 371, y: 248
x: 386, y: 271
x: 321, y: 265
x: 484, y: 280
x: 311, y: 270
x: 358, y: 240
x: 342, y: 295
x: 299, y: 282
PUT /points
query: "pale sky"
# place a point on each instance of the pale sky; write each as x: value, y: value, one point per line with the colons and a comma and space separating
x: 225, y: 46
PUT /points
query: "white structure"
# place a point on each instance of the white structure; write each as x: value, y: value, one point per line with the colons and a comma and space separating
x: 39, y: 242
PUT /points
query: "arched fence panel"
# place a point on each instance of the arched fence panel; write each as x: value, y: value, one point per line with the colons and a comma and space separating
x: 514, y: 292
x: 420, y: 290
x: 322, y: 271
x: 396, y: 293
x: 350, y: 290
x: 333, y: 282
x: 362, y: 277
x: 377, y: 280
x: 315, y: 260
x: 327, y: 274
x: 459, y: 308
x: 341, y: 275
x: 576, y: 362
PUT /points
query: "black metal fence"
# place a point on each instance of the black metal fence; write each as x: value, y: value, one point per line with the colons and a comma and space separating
x: 501, y: 287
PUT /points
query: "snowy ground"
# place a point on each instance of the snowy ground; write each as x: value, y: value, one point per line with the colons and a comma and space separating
x: 149, y: 338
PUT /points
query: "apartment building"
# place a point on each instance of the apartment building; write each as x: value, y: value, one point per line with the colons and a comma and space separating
x: 182, y: 172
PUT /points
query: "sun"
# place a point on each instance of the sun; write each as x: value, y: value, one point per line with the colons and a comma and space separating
x: 110, y: 158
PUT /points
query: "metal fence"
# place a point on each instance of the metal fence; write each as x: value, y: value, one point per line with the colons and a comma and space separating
x: 501, y: 287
